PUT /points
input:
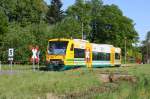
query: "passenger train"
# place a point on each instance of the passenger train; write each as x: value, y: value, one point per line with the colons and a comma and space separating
x: 68, y: 53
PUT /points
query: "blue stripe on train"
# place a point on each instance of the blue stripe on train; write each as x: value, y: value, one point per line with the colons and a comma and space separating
x: 101, y: 64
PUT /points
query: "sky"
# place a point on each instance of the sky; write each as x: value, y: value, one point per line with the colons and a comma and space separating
x: 137, y: 10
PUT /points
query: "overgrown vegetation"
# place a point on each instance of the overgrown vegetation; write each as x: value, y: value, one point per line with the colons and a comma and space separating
x: 75, y: 84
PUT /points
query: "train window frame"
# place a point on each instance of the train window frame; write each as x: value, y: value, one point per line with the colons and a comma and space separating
x: 100, y: 56
x: 117, y: 56
x: 78, y: 53
x: 51, y: 44
x: 107, y: 56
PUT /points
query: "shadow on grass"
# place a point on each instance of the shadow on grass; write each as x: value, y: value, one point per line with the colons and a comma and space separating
x: 45, y: 68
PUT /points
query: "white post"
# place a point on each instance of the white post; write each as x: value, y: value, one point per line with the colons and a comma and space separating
x: 147, y: 53
x: 33, y: 64
x: 0, y: 65
x: 11, y: 65
x: 82, y: 24
x: 38, y: 64
x: 38, y: 61
x: 125, y: 58
x: 148, y: 60
x: 82, y: 32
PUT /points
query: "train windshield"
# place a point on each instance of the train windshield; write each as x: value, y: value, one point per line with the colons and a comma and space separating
x: 57, y: 47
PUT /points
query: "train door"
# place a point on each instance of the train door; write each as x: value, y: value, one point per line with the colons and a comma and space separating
x: 88, y: 55
x: 69, y: 58
x: 112, y: 56
x: 117, y: 56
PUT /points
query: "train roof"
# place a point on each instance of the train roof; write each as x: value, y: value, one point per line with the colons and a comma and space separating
x: 117, y: 50
x: 80, y: 40
x: 59, y: 39
x: 102, y: 47
x: 64, y: 39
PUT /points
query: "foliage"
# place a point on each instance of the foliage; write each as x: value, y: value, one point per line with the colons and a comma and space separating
x: 25, y: 27
x: 22, y: 38
x: 67, y: 28
x: 112, y: 27
x: 24, y: 11
x: 145, y: 49
x: 54, y: 14
x: 3, y: 23
x: 80, y: 11
x: 148, y: 36
x: 96, y: 10
x: 3, y: 28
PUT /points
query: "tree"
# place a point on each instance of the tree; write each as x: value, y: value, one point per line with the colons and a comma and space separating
x: 96, y: 8
x: 21, y: 38
x: 113, y: 27
x: 21, y: 25
x: 103, y: 23
x: 80, y: 11
x: 3, y: 30
x: 3, y: 24
x: 146, y: 48
x: 24, y: 11
x: 54, y: 14
x: 67, y: 28
x: 148, y: 36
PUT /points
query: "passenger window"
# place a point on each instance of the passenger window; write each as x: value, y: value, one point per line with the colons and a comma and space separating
x: 117, y: 56
x: 72, y: 47
x: 79, y: 53
x: 101, y: 56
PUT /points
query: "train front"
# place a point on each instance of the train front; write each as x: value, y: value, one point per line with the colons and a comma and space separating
x: 56, y: 52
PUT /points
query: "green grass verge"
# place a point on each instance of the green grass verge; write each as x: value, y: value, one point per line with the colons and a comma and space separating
x: 31, y: 85
x: 80, y: 83
x: 17, y: 67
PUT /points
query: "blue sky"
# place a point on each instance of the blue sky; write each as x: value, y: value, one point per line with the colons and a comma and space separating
x: 137, y: 10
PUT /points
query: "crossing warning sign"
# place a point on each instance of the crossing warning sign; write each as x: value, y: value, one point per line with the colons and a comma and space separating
x: 35, y: 55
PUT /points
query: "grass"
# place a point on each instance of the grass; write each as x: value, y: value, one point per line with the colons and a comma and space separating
x: 17, y: 67
x: 79, y: 83
x: 128, y: 90
x: 30, y: 85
